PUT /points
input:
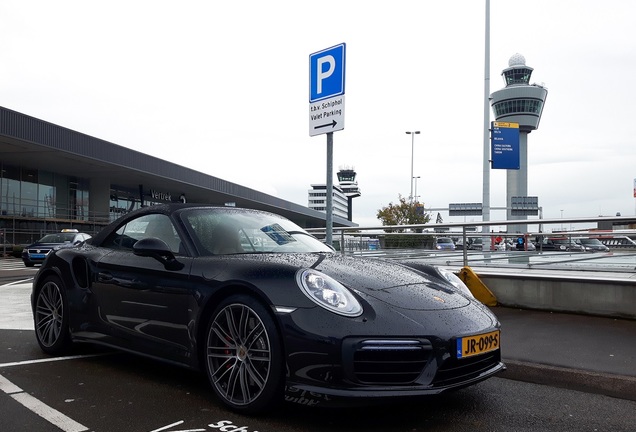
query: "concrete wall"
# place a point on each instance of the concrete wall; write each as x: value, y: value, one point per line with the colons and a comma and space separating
x: 612, y: 296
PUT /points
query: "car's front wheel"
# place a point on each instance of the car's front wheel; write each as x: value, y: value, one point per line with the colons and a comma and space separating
x: 243, y: 355
x: 51, y: 317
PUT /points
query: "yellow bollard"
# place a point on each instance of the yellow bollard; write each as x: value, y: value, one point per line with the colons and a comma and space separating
x: 477, y: 287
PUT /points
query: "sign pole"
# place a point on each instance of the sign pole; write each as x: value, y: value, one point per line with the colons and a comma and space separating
x: 329, y: 222
x: 326, y: 111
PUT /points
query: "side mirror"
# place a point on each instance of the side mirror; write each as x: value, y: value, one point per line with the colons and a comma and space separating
x: 159, y: 250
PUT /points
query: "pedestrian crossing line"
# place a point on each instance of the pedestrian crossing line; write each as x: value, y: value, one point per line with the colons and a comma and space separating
x: 10, y: 264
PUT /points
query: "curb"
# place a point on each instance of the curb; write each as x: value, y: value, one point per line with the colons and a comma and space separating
x: 618, y: 386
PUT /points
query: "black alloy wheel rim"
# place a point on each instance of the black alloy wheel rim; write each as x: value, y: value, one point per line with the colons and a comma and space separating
x: 238, y: 354
x: 49, y: 313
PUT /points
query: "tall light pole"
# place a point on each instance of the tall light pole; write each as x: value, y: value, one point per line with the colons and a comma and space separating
x: 486, y: 149
x: 412, y: 133
x: 415, y: 196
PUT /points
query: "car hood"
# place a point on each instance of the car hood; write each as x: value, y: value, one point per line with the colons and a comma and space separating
x: 47, y: 245
x: 392, y: 283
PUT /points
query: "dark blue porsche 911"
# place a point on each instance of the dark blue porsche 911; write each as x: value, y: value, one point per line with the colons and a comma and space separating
x: 264, y: 309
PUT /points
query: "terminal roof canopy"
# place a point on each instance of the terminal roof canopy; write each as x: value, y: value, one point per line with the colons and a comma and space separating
x: 30, y: 142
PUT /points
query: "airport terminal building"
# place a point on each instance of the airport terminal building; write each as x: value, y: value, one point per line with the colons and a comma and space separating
x: 52, y: 178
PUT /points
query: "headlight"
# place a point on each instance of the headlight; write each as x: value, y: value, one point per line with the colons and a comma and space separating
x: 455, y: 281
x: 328, y: 293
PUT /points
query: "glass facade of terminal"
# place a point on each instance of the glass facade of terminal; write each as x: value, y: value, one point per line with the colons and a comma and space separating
x: 30, y: 193
x: 35, y: 194
x: 35, y: 202
x: 122, y: 201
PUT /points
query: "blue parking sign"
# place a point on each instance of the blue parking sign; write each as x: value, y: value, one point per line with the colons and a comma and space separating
x: 327, y: 73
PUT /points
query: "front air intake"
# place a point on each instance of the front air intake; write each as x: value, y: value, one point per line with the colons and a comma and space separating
x: 388, y: 361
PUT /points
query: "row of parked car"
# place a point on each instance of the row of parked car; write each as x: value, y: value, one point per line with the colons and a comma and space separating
x: 561, y: 244
x: 36, y: 253
x: 574, y: 244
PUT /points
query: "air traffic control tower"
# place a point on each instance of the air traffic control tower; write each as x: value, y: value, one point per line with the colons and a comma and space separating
x: 519, y: 102
x: 349, y: 186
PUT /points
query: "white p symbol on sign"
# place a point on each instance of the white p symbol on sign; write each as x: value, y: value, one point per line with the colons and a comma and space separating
x: 324, y: 74
x: 327, y: 73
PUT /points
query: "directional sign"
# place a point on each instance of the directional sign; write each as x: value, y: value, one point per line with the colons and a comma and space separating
x: 505, y: 145
x: 326, y: 90
x: 524, y: 205
x: 465, y: 209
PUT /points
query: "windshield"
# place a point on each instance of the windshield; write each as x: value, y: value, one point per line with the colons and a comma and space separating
x: 561, y: 241
x: 57, y: 238
x: 590, y: 242
x: 238, y: 231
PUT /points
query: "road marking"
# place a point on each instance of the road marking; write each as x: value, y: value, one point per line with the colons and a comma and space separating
x: 49, y: 414
x: 15, y: 307
x: 20, y: 282
x: 8, y: 387
x: 168, y: 426
x: 8, y: 264
x: 177, y: 424
x: 51, y: 359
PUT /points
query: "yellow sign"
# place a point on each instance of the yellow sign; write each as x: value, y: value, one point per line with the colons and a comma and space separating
x: 506, y: 125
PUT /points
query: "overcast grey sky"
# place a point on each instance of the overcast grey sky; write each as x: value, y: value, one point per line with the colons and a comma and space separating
x: 222, y: 87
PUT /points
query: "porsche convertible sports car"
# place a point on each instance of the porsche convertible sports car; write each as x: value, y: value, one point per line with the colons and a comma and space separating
x: 264, y: 309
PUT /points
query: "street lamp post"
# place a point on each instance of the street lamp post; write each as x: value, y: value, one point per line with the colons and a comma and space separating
x: 415, y: 196
x: 412, y: 133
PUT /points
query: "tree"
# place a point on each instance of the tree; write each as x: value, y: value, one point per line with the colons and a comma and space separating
x: 404, y: 213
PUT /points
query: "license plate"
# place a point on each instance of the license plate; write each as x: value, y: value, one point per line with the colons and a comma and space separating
x: 473, y: 345
x: 38, y: 256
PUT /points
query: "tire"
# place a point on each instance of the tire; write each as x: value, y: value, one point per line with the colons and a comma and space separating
x: 243, y: 355
x: 28, y: 264
x: 51, y: 317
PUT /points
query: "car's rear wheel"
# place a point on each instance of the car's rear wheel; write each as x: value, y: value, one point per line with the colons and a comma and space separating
x: 51, y: 317
x: 243, y: 355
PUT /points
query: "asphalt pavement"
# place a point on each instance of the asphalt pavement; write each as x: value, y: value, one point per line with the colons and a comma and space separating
x: 579, y: 352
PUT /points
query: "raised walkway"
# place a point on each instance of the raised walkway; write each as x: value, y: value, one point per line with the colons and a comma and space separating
x: 579, y: 352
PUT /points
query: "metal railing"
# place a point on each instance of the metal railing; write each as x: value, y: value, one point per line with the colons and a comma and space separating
x: 417, y: 242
